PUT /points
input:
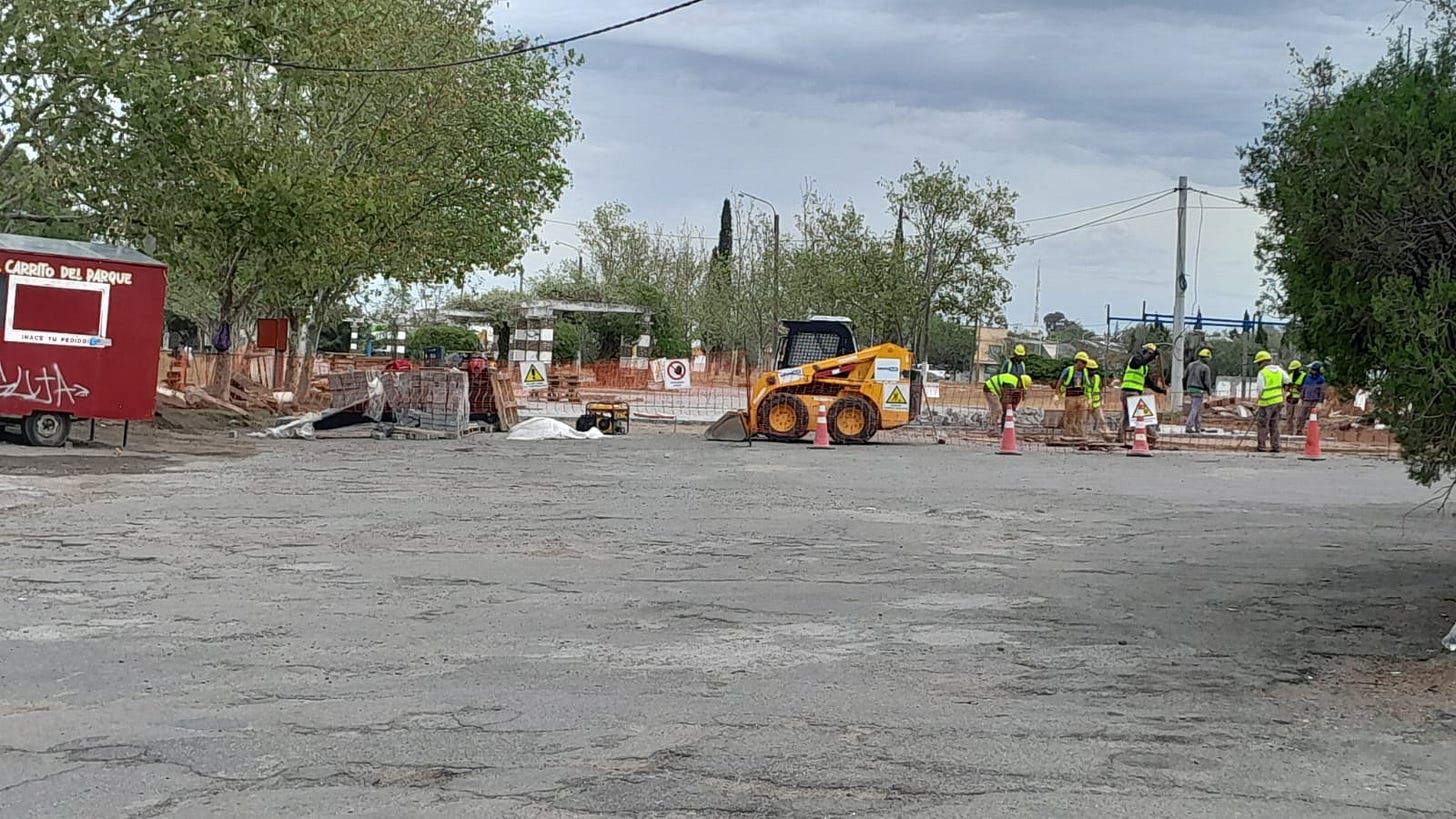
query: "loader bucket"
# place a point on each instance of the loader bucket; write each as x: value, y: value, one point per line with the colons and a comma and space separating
x: 731, y: 428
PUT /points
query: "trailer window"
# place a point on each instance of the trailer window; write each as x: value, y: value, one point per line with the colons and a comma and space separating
x: 49, y: 311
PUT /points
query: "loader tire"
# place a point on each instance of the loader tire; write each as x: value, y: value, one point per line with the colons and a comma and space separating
x: 783, y: 417
x: 853, y: 420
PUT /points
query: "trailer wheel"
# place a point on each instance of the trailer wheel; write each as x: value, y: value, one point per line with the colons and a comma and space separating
x: 47, y: 429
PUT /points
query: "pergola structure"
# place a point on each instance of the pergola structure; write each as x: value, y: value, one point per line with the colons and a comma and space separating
x: 535, y: 332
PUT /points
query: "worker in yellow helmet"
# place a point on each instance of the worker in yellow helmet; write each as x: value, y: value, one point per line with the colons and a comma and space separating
x: 1094, y: 397
x: 1199, y: 380
x: 1271, y: 382
x: 1291, y: 393
x: 1144, y: 371
x: 1072, y: 387
x: 1016, y: 364
x: 1003, y: 392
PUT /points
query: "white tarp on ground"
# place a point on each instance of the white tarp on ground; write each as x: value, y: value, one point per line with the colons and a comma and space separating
x: 549, y: 429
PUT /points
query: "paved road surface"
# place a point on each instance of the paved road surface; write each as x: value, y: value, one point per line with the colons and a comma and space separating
x: 656, y: 626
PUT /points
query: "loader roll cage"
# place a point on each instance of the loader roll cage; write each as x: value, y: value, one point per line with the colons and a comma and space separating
x: 813, y: 340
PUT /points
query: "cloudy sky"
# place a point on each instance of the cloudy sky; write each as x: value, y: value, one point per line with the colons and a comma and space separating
x: 1073, y: 104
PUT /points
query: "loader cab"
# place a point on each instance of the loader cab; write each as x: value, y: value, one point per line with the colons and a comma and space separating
x: 815, y: 339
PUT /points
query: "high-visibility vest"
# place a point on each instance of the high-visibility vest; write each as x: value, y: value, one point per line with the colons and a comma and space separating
x: 1134, y: 378
x: 1299, y: 379
x: 1012, y: 367
x: 1094, y: 390
x: 1069, y: 373
x: 1002, y: 381
x: 1273, y: 386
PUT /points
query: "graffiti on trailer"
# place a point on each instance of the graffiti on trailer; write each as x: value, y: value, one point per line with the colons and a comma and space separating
x: 46, y: 386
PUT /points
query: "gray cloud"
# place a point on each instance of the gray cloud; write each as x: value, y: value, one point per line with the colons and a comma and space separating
x: 1071, y: 103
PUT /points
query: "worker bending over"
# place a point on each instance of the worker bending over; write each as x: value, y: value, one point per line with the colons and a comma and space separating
x: 1004, y: 392
x: 1072, y: 386
x: 1272, y: 380
x: 1138, y: 376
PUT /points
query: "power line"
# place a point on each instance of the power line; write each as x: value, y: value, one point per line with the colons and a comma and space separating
x: 1108, y: 219
x: 1241, y: 203
x: 484, y: 58
x: 1099, y: 221
x: 1090, y: 209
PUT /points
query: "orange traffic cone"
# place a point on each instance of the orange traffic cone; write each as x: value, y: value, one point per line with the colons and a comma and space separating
x: 1008, y: 434
x: 1311, y: 439
x: 1140, y: 442
x: 821, y: 432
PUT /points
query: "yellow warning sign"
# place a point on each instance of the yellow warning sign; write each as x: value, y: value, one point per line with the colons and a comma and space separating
x: 533, y: 375
x: 1141, y: 411
x: 896, y: 399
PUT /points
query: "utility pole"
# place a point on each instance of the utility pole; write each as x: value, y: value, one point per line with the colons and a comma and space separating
x: 1036, y: 303
x: 1180, y: 284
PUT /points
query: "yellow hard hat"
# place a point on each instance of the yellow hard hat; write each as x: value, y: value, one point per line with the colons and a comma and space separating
x: 1205, y: 353
x: 1082, y: 357
x: 1018, y: 350
x: 1150, y: 347
x: 1262, y: 356
x: 1091, y: 363
x: 1294, y: 365
x: 1026, y: 382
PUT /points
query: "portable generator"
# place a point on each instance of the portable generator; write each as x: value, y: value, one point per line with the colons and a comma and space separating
x: 611, y: 417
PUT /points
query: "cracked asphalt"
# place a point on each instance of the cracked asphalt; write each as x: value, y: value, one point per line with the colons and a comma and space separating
x: 659, y: 626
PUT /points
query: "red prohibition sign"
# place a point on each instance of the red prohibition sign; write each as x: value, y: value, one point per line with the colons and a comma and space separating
x: 677, y: 371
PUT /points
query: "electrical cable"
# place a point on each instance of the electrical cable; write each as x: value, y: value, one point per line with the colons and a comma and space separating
x: 1090, y: 209
x: 484, y: 58
x: 1239, y: 202
x: 1099, y: 221
x: 1109, y: 219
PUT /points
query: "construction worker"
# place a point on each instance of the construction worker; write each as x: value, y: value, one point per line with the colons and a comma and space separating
x: 1311, y: 394
x: 1272, y: 380
x: 1072, y: 386
x: 1139, y: 375
x: 1016, y: 364
x: 1003, y: 392
x: 1291, y: 392
x: 1198, y: 378
x: 1094, y: 397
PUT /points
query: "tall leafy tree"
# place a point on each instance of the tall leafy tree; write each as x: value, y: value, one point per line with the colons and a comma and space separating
x: 1355, y: 176
x: 280, y: 189
x: 965, y: 235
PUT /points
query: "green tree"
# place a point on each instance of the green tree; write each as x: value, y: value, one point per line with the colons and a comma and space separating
x: 952, y: 346
x: 452, y: 337
x: 964, y: 238
x: 1354, y: 175
x: 282, y: 190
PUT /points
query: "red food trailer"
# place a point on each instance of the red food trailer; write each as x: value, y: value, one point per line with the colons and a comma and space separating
x: 82, y: 332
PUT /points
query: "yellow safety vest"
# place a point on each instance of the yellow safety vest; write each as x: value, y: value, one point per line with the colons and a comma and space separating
x: 1002, y: 381
x: 1094, y: 389
x: 1273, y: 386
x: 1134, y: 378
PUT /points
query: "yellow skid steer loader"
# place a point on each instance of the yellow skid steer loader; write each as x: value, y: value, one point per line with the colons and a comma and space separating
x: 865, y: 391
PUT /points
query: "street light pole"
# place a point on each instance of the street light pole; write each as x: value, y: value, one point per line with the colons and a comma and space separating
x: 776, y: 253
x: 580, y: 269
